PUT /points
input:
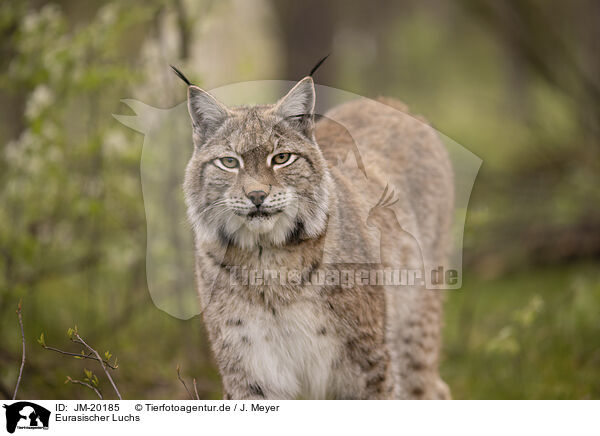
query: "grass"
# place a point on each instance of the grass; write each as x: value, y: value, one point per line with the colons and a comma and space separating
x: 529, y: 335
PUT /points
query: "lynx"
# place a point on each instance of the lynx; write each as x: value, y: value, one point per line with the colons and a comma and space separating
x: 265, y: 195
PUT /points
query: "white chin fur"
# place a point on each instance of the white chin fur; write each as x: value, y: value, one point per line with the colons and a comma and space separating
x: 261, y: 225
x: 249, y: 233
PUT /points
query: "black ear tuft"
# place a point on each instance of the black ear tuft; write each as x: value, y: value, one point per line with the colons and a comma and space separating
x: 316, y: 67
x: 181, y: 75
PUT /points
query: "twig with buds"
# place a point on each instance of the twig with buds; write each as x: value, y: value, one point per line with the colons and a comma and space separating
x: 185, y: 386
x: 87, y: 385
x: 81, y: 341
x: 20, y: 318
x: 92, y: 354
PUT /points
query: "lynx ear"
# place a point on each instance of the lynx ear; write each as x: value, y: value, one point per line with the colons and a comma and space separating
x: 206, y: 112
x: 298, y: 105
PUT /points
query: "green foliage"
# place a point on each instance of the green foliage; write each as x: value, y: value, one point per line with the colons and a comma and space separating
x: 530, y: 335
x: 90, y: 378
x: 72, y: 225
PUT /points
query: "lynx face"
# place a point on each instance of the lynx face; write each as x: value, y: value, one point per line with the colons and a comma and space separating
x: 257, y: 176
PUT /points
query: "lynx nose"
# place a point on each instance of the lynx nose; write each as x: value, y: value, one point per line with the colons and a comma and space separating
x: 257, y: 197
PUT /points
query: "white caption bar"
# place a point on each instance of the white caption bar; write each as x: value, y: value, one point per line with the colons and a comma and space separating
x: 302, y: 417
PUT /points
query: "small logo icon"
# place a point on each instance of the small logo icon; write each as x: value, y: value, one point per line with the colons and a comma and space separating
x: 26, y: 415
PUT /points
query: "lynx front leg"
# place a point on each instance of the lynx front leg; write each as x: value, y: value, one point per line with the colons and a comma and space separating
x: 244, y: 377
x: 239, y: 385
x: 418, y: 338
x: 236, y: 387
x: 365, y: 374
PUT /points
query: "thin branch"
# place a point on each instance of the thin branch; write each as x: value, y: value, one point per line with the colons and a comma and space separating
x: 101, y: 363
x: 20, y: 317
x: 87, y: 385
x: 196, y: 390
x: 82, y: 356
x: 183, y: 383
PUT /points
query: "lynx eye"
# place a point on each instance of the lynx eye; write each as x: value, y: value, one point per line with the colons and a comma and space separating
x: 229, y: 162
x: 281, y: 158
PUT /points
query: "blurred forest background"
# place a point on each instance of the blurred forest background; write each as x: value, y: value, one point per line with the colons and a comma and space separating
x: 516, y: 82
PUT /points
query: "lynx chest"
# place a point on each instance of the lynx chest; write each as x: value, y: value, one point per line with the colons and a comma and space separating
x: 291, y: 348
